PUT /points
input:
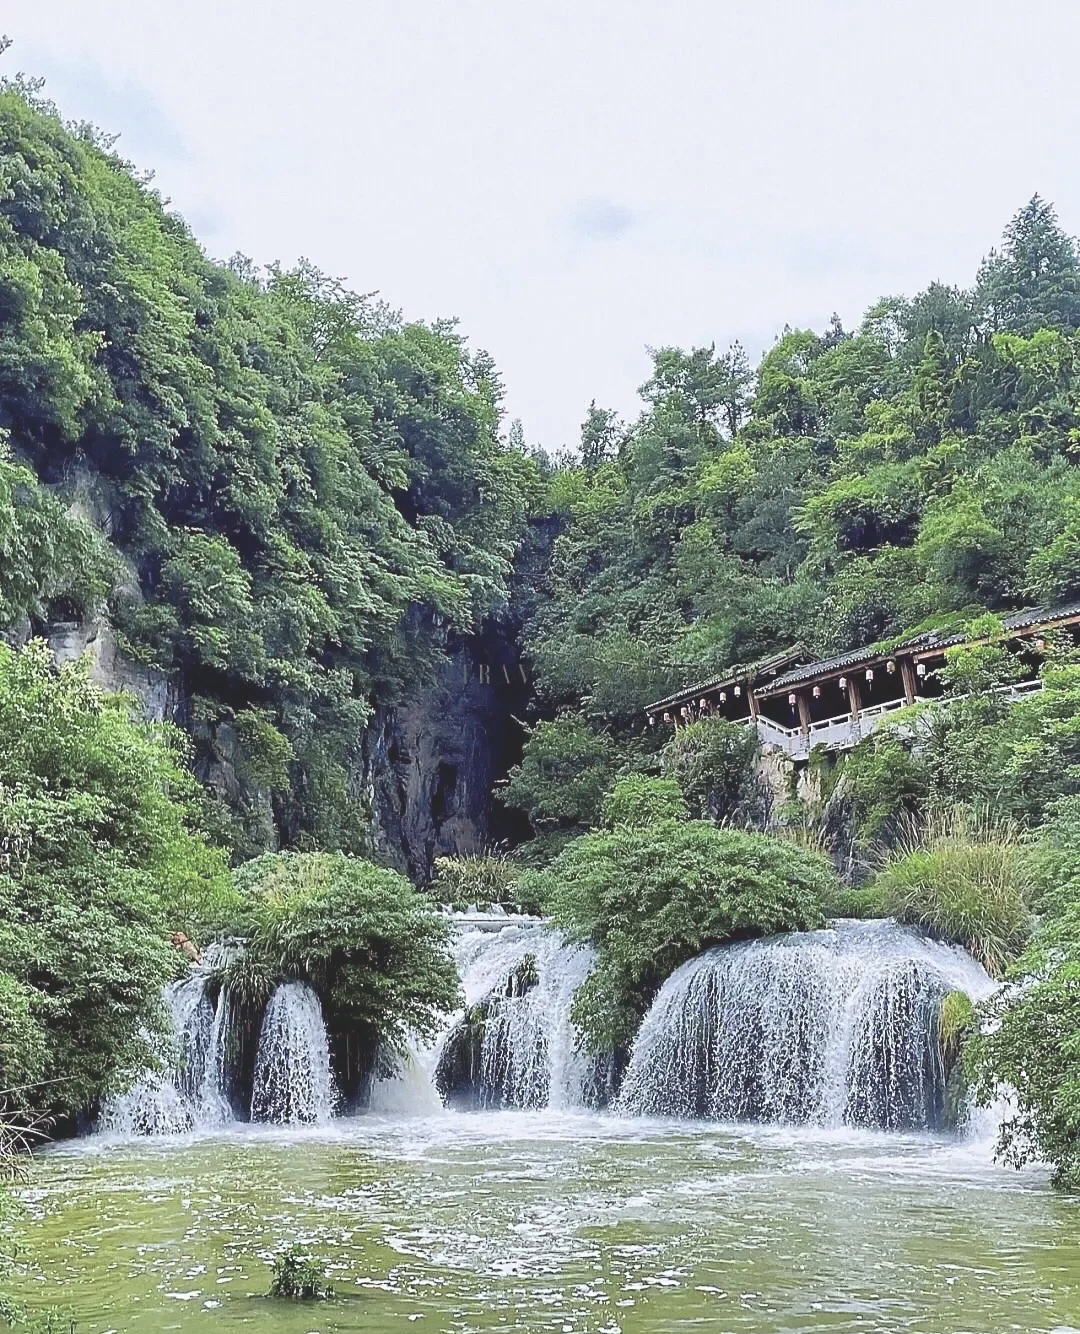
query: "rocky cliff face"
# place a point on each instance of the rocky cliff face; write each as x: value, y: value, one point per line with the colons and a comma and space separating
x: 430, y: 766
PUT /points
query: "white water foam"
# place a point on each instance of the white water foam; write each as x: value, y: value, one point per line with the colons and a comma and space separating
x: 294, y: 1083
x: 530, y: 1055
x: 832, y: 1027
x: 191, y: 1092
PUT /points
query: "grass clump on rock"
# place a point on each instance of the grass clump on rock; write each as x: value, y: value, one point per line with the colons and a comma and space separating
x: 963, y: 880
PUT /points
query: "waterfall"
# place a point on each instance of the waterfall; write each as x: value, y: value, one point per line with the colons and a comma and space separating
x: 832, y: 1027
x: 513, y: 1045
x: 191, y: 1092
x: 293, y: 1080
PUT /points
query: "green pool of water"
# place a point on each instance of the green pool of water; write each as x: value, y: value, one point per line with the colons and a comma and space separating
x: 542, y: 1221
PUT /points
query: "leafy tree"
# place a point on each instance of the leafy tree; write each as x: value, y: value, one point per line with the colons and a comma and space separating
x: 1034, y: 281
x: 713, y: 763
x: 101, y: 860
x: 599, y: 437
x: 566, y: 770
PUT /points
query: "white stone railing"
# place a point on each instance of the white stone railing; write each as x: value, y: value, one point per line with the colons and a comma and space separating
x: 843, y: 732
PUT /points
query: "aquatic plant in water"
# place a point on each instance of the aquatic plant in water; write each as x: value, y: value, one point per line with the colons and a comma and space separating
x: 299, y: 1277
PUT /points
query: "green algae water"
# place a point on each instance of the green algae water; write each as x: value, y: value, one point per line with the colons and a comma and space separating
x: 547, y: 1221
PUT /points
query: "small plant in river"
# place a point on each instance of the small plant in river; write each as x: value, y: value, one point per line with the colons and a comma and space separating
x: 299, y: 1277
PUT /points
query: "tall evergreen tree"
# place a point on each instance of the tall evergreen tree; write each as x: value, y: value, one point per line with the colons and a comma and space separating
x: 1033, y: 282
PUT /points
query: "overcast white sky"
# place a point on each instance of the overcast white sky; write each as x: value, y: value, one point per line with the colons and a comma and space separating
x: 576, y: 179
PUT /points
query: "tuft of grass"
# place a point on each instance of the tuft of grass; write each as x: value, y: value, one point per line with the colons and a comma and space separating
x: 250, y: 981
x: 482, y: 879
x: 963, y: 879
x: 955, y: 1020
x: 299, y: 1277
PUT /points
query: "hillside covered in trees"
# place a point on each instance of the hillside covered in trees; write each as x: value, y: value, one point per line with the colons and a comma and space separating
x: 301, y: 498
x: 855, y: 486
x: 299, y: 509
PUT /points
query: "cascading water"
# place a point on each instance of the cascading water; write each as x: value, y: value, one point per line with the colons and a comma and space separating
x: 294, y: 1083
x: 833, y: 1027
x: 193, y: 1091
x: 514, y: 1044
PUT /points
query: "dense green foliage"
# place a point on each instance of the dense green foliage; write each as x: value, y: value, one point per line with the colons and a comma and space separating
x: 713, y: 763
x: 99, y: 861
x: 567, y: 769
x: 1030, y: 1031
x: 1008, y: 761
x: 635, y: 802
x: 651, y: 895
x: 311, y: 492
x: 374, y: 948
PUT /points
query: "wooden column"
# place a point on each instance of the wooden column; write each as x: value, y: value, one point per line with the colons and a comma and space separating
x: 804, y: 712
x: 854, y: 699
x: 751, y: 699
x: 907, y: 675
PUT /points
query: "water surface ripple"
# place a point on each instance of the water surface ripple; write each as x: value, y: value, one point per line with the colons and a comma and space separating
x: 551, y: 1221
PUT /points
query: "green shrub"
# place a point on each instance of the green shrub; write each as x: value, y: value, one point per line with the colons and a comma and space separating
x: 541, y: 851
x: 1029, y: 1044
x: 637, y: 802
x: 565, y: 771
x: 964, y: 881
x: 713, y: 763
x: 299, y: 1277
x: 883, y: 782
x: 1054, y: 859
x: 374, y: 948
x: 651, y: 898
x: 100, y: 860
x: 481, y: 879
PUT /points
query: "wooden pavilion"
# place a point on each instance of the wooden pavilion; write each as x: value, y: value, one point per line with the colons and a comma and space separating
x: 797, y: 703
